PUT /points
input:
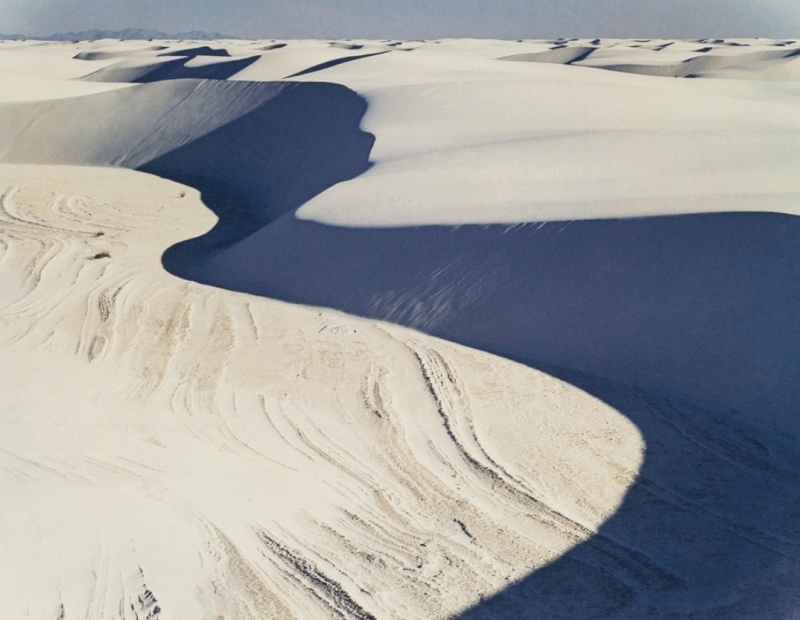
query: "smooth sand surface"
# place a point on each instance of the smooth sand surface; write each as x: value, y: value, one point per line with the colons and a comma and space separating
x: 35, y: 72
x: 489, y: 142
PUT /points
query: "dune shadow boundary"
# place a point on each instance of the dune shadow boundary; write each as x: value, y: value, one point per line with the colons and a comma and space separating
x: 684, y: 324
x: 688, y: 325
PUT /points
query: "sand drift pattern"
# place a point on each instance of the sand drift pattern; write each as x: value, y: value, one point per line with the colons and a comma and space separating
x: 252, y: 458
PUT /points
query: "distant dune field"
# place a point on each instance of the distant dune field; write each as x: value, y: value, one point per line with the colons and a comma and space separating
x: 400, y: 329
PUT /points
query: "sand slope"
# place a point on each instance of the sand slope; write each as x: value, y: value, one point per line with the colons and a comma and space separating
x: 216, y: 454
x: 638, y: 307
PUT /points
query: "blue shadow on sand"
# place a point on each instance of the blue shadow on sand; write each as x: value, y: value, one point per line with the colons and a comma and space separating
x: 688, y: 325
x: 176, y: 69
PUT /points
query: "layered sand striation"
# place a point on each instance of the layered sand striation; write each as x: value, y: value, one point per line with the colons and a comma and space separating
x: 171, y: 446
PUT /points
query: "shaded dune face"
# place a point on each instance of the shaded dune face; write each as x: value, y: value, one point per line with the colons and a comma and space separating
x: 203, y: 50
x: 686, y: 324
x: 226, y: 455
x: 255, y: 150
x: 712, y: 520
x: 693, y: 304
x: 269, y: 162
x: 171, y: 69
x: 690, y: 319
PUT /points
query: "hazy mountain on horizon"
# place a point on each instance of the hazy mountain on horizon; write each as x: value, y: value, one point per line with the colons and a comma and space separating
x: 128, y: 33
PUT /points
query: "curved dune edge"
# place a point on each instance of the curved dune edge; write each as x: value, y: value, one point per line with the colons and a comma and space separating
x: 168, y: 446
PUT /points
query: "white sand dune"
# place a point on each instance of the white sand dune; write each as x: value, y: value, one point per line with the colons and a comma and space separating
x: 212, y: 454
x: 706, y: 64
x: 171, y: 67
x: 191, y: 447
x: 484, y: 145
x: 560, y: 55
x: 154, y: 120
x: 568, y: 149
x: 34, y: 73
x: 114, y: 52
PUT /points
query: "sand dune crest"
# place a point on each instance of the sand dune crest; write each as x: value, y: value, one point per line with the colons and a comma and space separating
x: 240, y: 485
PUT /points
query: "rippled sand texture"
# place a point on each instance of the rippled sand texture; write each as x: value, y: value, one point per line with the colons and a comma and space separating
x: 170, y: 447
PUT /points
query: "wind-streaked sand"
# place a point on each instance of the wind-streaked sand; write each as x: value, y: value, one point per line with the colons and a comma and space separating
x: 239, y: 456
x: 173, y: 449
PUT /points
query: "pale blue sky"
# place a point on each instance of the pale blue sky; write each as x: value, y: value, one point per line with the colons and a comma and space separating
x: 508, y: 19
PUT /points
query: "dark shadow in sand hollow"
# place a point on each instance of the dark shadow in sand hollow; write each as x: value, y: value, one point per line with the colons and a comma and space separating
x: 701, y: 305
x: 203, y: 50
x: 176, y: 69
x: 688, y: 325
x: 333, y: 63
x: 709, y: 529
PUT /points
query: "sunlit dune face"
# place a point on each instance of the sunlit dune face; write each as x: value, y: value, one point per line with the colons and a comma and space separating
x: 199, y: 444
